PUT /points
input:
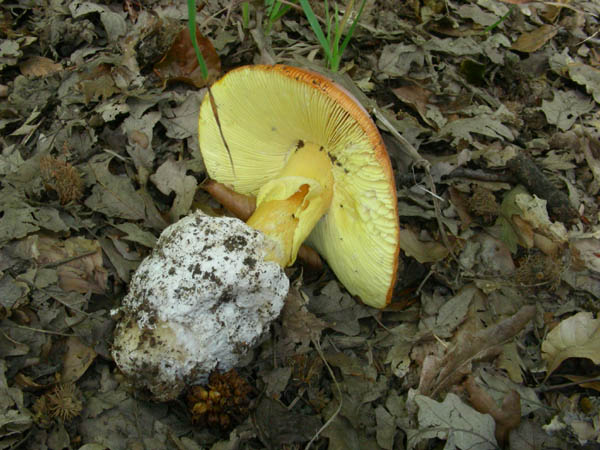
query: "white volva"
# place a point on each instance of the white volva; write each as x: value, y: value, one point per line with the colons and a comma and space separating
x: 198, y: 303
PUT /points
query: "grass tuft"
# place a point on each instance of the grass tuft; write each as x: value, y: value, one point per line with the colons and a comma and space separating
x: 192, y: 27
x: 331, y: 41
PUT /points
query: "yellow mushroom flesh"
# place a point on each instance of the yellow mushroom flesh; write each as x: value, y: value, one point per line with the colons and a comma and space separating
x: 290, y: 205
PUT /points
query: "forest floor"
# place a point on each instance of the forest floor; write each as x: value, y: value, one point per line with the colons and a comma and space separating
x: 492, y: 339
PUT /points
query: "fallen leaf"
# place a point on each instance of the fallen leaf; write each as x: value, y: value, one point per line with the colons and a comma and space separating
x: 135, y: 234
x: 113, y: 23
x: 531, y: 436
x: 575, y: 337
x: 139, y: 133
x: 477, y: 14
x: 398, y: 358
x: 76, y: 360
x: 534, y: 40
x: 423, y: 252
x: 278, y: 426
x: 453, y: 421
x: 181, y: 121
x: 565, y: 108
x: 276, y: 380
x: 484, y: 124
x: 113, y: 195
x: 498, y: 386
x: 180, y: 63
x: 417, y: 97
x: 449, y: 369
x: 299, y: 324
x: 585, y: 254
x: 171, y: 177
x: 507, y: 416
x: 79, y: 261
x: 386, y: 428
x: 396, y: 59
x: 494, y: 256
x: 585, y: 382
x: 587, y: 76
x: 553, y: 9
x: 98, y: 84
x: 338, y: 309
x: 342, y: 435
x: 39, y: 66
x: 454, y: 311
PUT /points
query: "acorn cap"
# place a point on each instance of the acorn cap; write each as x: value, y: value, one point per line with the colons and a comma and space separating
x: 265, y: 114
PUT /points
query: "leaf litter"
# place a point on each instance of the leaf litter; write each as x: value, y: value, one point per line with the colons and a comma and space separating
x: 492, y: 336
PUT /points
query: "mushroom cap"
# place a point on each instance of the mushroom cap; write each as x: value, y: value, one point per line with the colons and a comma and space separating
x: 198, y: 303
x: 264, y: 112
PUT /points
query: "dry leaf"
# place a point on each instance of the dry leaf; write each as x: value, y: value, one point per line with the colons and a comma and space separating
x: 423, y: 252
x: 534, y: 40
x: 78, y: 261
x: 418, y: 98
x: 98, y: 84
x: 585, y: 382
x: 299, y: 324
x: 454, y: 421
x: 552, y: 10
x: 39, y: 66
x: 586, y: 254
x: 575, y: 337
x: 482, y: 344
x: 180, y: 62
x: 507, y: 416
x: 76, y: 360
x: 26, y: 382
x: 171, y: 177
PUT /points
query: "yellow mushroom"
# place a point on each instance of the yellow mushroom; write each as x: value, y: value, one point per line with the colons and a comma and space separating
x: 315, y: 161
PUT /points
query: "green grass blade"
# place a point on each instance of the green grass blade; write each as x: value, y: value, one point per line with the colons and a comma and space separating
x: 314, y: 24
x: 246, y: 15
x: 500, y: 20
x: 352, y: 27
x: 192, y: 28
x: 338, y: 27
x: 282, y: 12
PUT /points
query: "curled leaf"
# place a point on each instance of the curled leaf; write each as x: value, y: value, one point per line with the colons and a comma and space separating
x: 575, y: 337
x: 180, y: 63
x: 507, y: 416
x: 445, y: 371
x: 533, y: 41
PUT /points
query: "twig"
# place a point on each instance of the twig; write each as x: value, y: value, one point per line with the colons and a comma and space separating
x: 567, y: 385
x: 339, y: 408
x: 418, y: 291
x: 480, y: 175
x: 67, y: 260
x: 39, y: 330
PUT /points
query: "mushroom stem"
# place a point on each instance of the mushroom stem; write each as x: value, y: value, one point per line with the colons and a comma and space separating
x: 289, y: 206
